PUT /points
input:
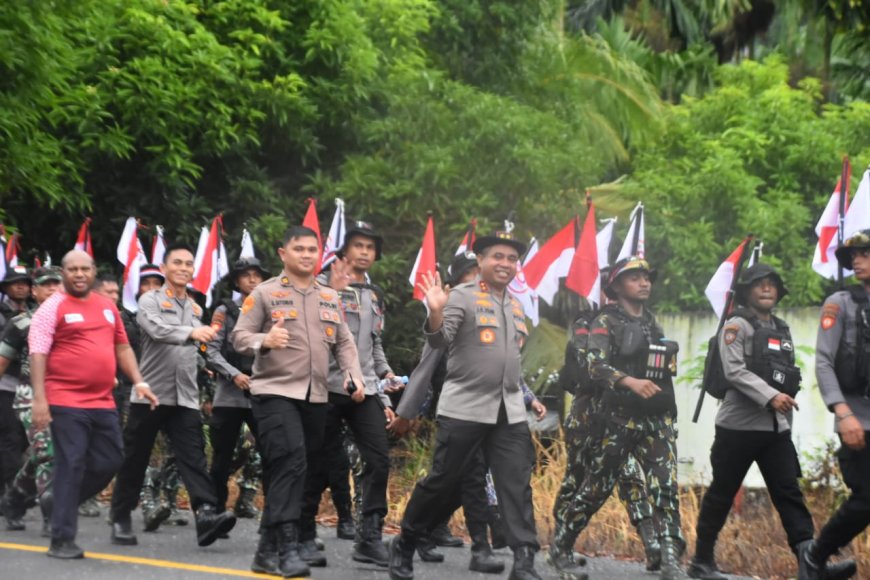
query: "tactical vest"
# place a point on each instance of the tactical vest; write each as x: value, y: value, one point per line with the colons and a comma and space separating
x: 574, y: 374
x: 642, y: 357
x: 242, y: 362
x: 773, y: 357
x: 852, y: 363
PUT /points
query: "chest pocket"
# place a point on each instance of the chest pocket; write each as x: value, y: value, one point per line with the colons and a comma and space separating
x: 486, y: 325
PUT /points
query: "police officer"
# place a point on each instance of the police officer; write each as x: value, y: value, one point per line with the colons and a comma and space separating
x: 33, y: 480
x: 364, y: 313
x: 291, y: 324
x: 843, y: 374
x: 635, y: 414
x: 481, y: 406
x: 170, y: 326
x: 753, y: 424
x: 231, y: 408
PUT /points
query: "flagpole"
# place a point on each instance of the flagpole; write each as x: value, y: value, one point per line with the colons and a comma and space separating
x: 729, y: 302
x: 841, y: 218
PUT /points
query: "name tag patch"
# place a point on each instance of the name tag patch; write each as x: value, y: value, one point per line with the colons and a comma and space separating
x: 73, y: 317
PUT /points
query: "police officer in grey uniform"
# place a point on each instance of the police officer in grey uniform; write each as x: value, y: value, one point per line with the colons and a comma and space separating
x: 753, y: 424
x: 364, y: 314
x: 291, y: 324
x: 170, y: 328
x: 481, y: 405
x: 843, y: 374
x: 231, y: 407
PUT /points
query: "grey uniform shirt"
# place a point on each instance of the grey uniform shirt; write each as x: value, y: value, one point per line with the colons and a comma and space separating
x: 483, y: 336
x: 744, y: 407
x: 365, y: 319
x: 226, y: 393
x: 168, y: 354
x: 838, y: 323
x: 419, y: 382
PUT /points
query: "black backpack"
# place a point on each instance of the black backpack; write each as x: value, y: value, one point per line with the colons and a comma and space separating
x: 574, y: 375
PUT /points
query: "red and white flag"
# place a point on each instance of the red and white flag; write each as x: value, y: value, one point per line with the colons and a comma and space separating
x: 158, y: 246
x: 721, y: 282
x: 467, y: 242
x: 210, y: 263
x: 83, y: 240
x: 551, y: 263
x: 131, y: 254
x: 634, y: 244
x: 425, y: 262
x: 858, y: 216
x: 12, y: 248
x: 335, y: 237
x: 520, y: 288
x: 584, y: 277
x: 311, y: 222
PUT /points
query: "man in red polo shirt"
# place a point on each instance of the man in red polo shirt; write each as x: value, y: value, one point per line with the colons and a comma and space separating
x: 76, y: 339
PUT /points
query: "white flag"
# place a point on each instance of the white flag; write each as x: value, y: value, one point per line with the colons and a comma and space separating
x: 247, y: 245
x: 158, y: 248
x: 635, y: 229
x: 858, y: 216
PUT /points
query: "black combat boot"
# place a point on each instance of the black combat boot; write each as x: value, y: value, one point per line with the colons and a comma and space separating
x: 562, y: 560
x: 46, y: 502
x: 154, y: 511
x: 812, y: 567
x: 90, y: 508
x: 672, y: 549
x: 122, y: 530
x: 402, y: 558
x: 65, y: 550
x: 370, y: 547
x: 210, y: 525
x: 266, y: 558
x: 427, y: 550
x: 345, y: 530
x: 647, y: 532
x: 245, y: 507
x: 442, y: 537
x: 524, y: 565
x: 290, y: 564
x: 12, y: 507
x: 308, y: 548
x: 705, y: 570
x: 482, y: 559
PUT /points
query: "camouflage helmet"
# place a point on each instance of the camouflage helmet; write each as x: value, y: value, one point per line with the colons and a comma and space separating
x: 46, y: 274
x: 857, y: 240
x: 626, y: 265
x: 460, y: 264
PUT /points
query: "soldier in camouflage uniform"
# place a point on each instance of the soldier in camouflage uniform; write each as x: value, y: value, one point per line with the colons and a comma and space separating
x: 33, y: 479
x: 634, y: 413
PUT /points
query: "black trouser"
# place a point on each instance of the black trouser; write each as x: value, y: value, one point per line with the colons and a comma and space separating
x: 290, y: 433
x: 331, y: 470
x: 732, y: 455
x: 13, y: 440
x: 471, y: 495
x: 183, y: 426
x: 224, y: 428
x: 509, y: 453
x: 854, y: 515
x: 368, y: 424
x: 87, y: 454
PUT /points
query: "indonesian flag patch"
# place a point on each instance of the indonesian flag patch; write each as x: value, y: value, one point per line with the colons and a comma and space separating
x: 774, y: 344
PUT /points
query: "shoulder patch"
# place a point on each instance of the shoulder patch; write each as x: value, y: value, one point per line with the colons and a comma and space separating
x: 730, y: 333
x: 248, y: 303
x: 830, y: 312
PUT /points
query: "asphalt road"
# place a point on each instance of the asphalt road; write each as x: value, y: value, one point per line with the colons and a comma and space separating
x: 171, y: 553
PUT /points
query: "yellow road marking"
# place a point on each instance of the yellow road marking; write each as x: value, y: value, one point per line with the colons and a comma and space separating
x: 146, y: 562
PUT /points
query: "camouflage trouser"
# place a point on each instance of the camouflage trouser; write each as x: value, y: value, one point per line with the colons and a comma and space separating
x: 653, y: 443
x: 163, y: 478
x: 579, y: 442
x: 247, y: 461
x: 34, y: 477
x: 356, y: 468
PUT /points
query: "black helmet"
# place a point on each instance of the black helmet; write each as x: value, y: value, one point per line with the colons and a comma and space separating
x: 460, y: 264
x: 857, y: 240
x: 499, y: 237
x: 755, y: 273
x: 150, y: 271
x: 626, y: 265
x: 361, y: 228
x: 244, y: 264
x: 16, y: 274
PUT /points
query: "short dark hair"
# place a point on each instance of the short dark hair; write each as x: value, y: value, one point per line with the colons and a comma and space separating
x: 297, y: 232
x: 105, y: 278
x: 175, y: 247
